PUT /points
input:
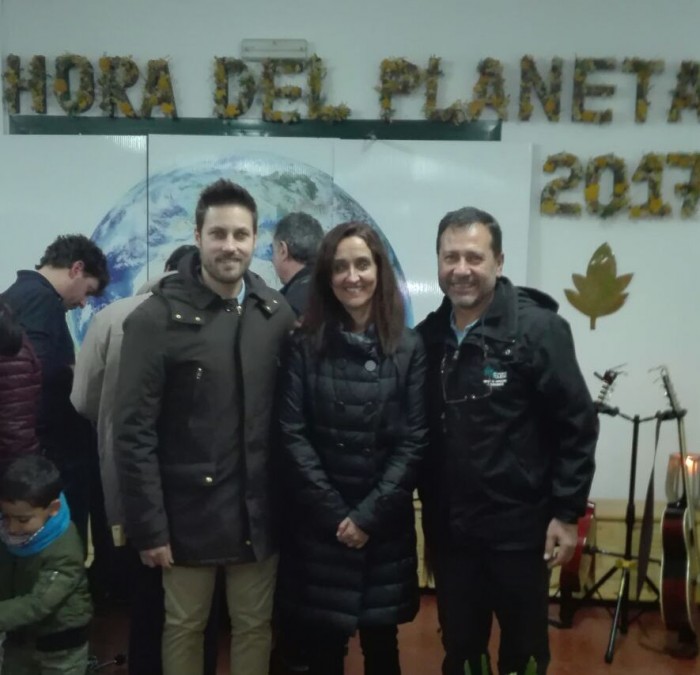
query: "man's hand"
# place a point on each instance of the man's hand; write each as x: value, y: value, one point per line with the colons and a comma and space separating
x: 160, y: 556
x: 560, y: 543
x: 349, y: 534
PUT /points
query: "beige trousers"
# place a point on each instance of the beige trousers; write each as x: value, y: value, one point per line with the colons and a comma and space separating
x: 250, y: 590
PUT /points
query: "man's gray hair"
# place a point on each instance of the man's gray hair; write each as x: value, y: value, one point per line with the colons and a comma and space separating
x: 302, y: 233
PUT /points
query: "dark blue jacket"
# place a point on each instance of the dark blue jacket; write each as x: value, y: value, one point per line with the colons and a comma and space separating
x: 296, y: 290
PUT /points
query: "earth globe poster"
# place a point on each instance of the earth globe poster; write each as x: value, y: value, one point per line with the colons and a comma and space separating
x: 401, y: 189
x: 282, y: 174
x: 136, y: 197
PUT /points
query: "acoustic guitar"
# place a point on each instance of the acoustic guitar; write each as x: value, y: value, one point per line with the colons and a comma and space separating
x: 679, y: 564
x: 579, y: 572
x: 581, y: 567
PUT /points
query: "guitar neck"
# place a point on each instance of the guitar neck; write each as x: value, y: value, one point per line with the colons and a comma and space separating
x: 688, y: 501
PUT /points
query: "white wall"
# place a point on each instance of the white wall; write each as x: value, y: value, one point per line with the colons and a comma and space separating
x: 658, y: 324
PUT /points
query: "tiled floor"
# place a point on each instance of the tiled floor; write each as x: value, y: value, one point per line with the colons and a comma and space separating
x: 577, y: 651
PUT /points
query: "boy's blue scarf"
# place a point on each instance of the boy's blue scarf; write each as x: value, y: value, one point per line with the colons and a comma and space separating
x: 53, y: 528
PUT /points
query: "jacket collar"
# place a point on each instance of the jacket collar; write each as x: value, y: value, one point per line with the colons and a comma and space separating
x: 186, y: 287
x: 498, y: 322
x: 34, y: 277
x: 301, y: 275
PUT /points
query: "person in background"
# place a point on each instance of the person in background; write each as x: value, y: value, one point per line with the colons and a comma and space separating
x: 193, y: 416
x: 352, y: 434
x: 95, y: 380
x: 20, y: 389
x: 294, y: 247
x: 71, y: 269
x: 513, y: 433
x: 93, y: 395
x: 45, y: 605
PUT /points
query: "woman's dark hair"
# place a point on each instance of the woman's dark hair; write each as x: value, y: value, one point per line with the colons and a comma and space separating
x: 32, y: 479
x: 10, y: 332
x: 325, y: 309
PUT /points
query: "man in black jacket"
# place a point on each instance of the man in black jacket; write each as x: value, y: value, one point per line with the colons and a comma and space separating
x: 192, y: 434
x: 294, y: 247
x: 71, y: 269
x: 513, y: 434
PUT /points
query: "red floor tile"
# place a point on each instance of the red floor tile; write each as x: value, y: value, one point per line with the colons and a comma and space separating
x: 576, y: 651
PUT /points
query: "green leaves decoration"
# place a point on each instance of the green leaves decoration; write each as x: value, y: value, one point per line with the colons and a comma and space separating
x: 600, y: 292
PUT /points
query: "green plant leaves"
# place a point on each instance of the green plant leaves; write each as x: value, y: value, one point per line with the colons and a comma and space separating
x: 600, y: 292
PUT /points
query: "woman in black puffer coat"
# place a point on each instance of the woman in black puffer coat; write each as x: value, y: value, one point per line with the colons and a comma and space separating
x: 352, y: 435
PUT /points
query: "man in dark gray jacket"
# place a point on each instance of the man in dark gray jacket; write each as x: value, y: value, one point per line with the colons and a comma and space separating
x: 294, y: 247
x: 192, y: 432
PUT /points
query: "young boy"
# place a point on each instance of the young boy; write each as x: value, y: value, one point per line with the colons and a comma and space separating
x: 45, y: 606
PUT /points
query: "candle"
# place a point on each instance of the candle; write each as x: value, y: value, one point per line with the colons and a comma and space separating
x: 674, y: 478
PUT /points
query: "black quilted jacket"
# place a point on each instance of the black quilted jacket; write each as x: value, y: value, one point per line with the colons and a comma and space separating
x: 353, y: 432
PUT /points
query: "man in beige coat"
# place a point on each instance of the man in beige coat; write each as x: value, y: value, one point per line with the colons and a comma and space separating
x: 95, y: 381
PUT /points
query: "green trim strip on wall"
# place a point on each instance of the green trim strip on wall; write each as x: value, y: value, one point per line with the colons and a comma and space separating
x: 413, y: 130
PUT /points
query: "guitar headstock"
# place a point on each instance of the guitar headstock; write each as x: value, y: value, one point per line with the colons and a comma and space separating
x: 670, y: 391
x: 608, y: 378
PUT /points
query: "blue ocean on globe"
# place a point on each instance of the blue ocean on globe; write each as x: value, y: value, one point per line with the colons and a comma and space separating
x: 157, y: 215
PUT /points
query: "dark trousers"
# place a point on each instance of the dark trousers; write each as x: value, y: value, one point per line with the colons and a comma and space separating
x: 326, y: 651
x: 76, y: 477
x: 473, y: 585
x: 147, y: 619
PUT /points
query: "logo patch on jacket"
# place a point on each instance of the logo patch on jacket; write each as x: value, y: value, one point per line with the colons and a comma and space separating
x: 495, y: 379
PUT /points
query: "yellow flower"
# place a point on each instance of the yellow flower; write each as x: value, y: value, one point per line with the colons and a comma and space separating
x: 526, y: 108
x: 475, y: 108
x: 550, y: 105
x: 641, y: 110
x: 168, y: 109
x: 232, y: 110
x: 656, y: 204
x: 619, y: 188
x: 591, y: 193
x: 105, y: 63
x: 548, y: 206
x: 60, y: 86
x: 126, y: 109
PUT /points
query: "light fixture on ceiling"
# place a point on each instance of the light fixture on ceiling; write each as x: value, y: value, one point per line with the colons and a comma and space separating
x: 258, y: 50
